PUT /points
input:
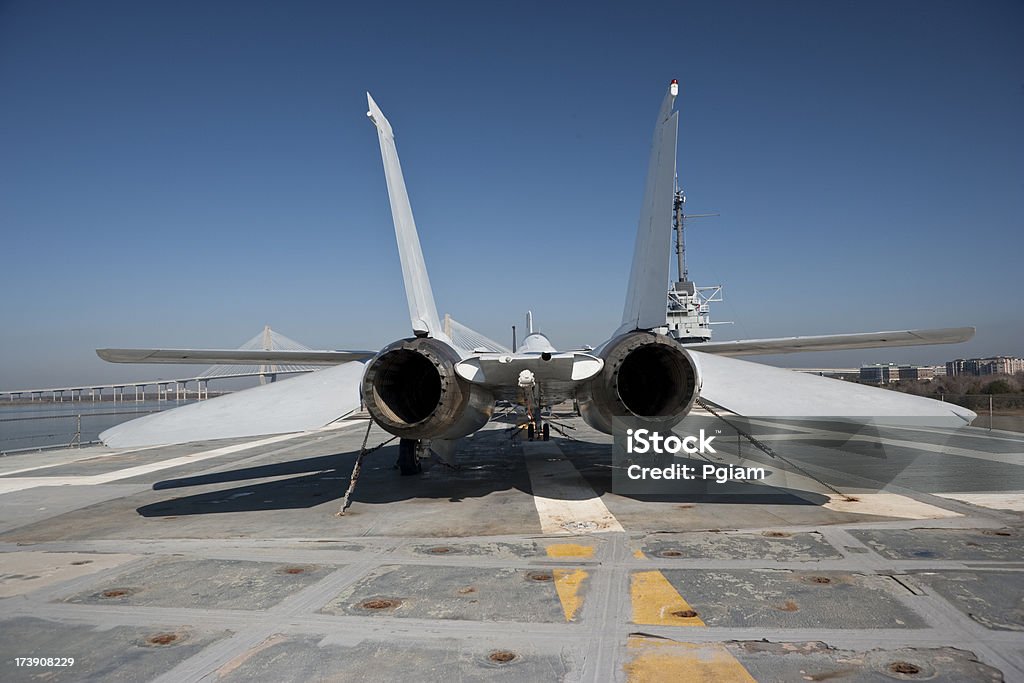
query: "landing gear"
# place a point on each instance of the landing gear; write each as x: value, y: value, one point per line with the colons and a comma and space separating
x: 531, y: 432
x: 408, y: 457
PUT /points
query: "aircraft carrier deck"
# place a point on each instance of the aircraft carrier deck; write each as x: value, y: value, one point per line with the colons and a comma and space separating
x: 226, y: 562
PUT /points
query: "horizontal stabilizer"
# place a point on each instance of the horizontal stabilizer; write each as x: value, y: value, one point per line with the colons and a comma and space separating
x: 756, y: 390
x: 232, y: 356
x: 298, y: 404
x: 835, y: 342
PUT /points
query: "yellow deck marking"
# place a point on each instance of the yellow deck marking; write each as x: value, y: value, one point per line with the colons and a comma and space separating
x: 567, y: 583
x: 570, y: 550
x: 665, y: 660
x: 655, y: 600
x: 639, y: 554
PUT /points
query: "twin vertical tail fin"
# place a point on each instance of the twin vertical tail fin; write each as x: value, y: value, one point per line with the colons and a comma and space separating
x: 422, y: 311
x: 648, y: 278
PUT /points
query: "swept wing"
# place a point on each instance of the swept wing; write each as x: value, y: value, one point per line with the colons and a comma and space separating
x: 835, y: 342
x: 756, y: 390
x: 428, y: 387
x: 298, y: 404
x: 232, y: 356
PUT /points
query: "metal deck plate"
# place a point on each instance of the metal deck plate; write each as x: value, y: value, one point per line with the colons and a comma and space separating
x: 509, y: 568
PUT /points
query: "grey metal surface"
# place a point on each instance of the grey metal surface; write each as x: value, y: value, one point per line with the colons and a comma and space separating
x: 993, y: 598
x: 312, y: 658
x: 118, y: 653
x: 833, y: 342
x: 753, y: 389
x: 778, y: 546
x: 965, y: 545
x: 770, y: 598
x: 463, y: 593
x: 205, y: 543
x: 300, y: 403
x: 816, y: 661
x: 206, y: 584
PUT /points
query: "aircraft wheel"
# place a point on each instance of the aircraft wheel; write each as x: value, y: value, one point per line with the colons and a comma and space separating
x: 547, y: 432
x: 408, y: 463
x: 529, y: 431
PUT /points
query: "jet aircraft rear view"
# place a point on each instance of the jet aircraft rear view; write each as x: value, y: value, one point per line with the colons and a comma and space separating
x: 430, y: 390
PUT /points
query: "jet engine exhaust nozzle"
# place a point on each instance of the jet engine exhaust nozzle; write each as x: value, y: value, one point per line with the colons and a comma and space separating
x: 411, y: 390
x: 647, y: 377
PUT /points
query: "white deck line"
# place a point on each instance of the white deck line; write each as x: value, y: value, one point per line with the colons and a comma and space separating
x: 9, y: 484
x: 565, y: 502
x: 811, y: 433
x: 1006, y: 500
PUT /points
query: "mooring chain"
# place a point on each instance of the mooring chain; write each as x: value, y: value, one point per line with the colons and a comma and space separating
x: 760, y: 445
x: 749, y: 437
x: 358, y: 467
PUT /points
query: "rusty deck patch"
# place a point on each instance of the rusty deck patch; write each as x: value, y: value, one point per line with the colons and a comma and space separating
x: 791, y: 599
x: 798, y: 661
x: 774, y: 545
x: 121, y: 653
x: 965, y: 545
x: 467, y: 593
x: 216, y: 584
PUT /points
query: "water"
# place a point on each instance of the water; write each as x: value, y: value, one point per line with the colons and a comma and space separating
x: 40, y: 425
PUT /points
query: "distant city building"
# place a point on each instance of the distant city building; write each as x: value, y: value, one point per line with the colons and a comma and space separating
x: 885, y: 373
x: 996, y: 365
x: 852, y: 374
x: 1003, y: 365
x: 879, y: 373
x: 916, y: 372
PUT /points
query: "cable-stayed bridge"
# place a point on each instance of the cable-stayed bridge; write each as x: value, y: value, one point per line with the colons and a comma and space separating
x: 267, y: 340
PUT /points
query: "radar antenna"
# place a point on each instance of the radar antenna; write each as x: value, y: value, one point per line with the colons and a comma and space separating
x: 687, y: 316
x: 679, y: 225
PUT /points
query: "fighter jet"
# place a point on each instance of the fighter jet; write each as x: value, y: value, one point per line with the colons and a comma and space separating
x: 429, y: 390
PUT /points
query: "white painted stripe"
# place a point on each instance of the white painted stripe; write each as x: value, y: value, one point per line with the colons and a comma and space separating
x: 811, y: 433
x: 564, y: 500
x: 9, y: 484
x: 1004, y: 500
x: 888, y: 505
x: 187, y: 459
x: 881, y: 503
x: 91, y: 454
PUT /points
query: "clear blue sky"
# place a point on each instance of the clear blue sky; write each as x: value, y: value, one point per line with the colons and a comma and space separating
x: 181, y: 174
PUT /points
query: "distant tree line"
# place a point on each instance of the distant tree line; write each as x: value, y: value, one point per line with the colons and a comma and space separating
x: 970, y: 391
